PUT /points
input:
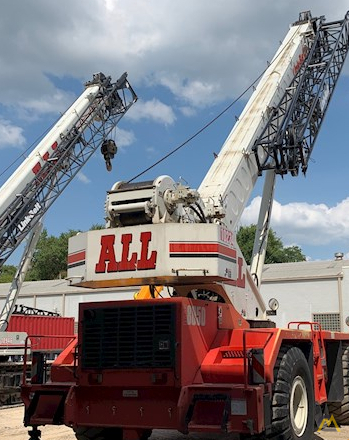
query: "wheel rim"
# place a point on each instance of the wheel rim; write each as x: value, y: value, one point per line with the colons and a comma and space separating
x: 299, y: 406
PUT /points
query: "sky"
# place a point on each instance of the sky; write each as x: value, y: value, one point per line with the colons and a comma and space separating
x: 186, y: 60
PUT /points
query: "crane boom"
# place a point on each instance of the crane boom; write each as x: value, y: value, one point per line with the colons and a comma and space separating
x: 281, y: 121
x: 233, y: 174
x: 41, y: 178
x: 287, y: 141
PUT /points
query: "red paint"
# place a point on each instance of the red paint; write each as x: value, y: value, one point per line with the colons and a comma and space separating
x: 202, y: 248
x: 194, y: 247
x: 107, y: 255
x: 107, y: 259
x: 145, y: 262
x: 241, y: 279
x: 301, y: 58
x: 37, y: 167
x: 77, y: 256
x: 224, y: 250
x: 125, y: 263
x: 43, y: 325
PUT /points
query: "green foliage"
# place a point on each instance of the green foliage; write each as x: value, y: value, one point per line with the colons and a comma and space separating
x: 96, y: 226
x: 276, y: 251
x: 50, y: 257
x: 7, y: 273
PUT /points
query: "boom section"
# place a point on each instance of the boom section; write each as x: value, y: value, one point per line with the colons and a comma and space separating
x: 287, y: 141
x: 41, y: 178
x: 232, y: 176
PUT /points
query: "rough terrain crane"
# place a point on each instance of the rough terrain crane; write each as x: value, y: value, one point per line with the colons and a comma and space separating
x: 199, y: 355
x: 30, y: 191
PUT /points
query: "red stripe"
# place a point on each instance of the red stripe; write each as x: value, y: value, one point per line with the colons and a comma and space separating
x: 226, y: 251
x: 77, y: 256
x: 202, y: 248
x: 193, y: 247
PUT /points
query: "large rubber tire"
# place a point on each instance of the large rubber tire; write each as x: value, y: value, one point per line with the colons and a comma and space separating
x: 340, y: 410
x: 293, y: 398
x: 87, y: 433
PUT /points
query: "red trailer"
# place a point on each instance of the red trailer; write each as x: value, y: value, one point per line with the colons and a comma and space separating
x: 46, y: 337
x: 52, y: 326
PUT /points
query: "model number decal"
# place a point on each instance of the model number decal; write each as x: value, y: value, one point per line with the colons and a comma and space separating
x: 196, y: 315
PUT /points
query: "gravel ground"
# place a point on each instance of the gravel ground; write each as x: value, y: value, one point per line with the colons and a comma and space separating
x: 11, y: 427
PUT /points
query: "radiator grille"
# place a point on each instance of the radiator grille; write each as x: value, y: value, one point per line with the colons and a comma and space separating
x: 128, y: 337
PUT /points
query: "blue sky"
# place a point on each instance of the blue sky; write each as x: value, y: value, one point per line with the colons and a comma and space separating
x: 186, y: 62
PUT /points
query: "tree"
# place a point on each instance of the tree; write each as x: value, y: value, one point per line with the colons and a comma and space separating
x: 96, y: 226
x: 50, y: 257
x: 7, y: 273
x: 276, y: 251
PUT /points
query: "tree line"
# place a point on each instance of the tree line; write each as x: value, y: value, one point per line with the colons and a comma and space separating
x: 50, y: 257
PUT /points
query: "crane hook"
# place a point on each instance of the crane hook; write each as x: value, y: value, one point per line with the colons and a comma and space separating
x: 108, y: 149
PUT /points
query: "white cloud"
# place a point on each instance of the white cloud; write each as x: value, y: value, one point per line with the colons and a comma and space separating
x: 124, y: 138
x: 153, y: 110
x: 57, y: 102
x: 188, y: 111
x: 83, y: 178
x: 10, y: 135
x: 196, y: 92
x: 305, y: 223
x: 202, y: 51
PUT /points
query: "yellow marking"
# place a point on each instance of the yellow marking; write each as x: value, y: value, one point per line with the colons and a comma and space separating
x: 328, y: 422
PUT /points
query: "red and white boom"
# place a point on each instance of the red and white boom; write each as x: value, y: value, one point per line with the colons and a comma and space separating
x: 41, y: 178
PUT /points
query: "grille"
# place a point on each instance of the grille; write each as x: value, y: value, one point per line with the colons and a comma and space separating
x: 328, y: 321
x: 129, y: 337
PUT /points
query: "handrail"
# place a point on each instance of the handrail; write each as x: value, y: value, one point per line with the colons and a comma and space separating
x: 26, y: 346
x: 311, y: 323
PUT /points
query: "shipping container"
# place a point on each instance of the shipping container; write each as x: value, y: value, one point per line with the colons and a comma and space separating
x: 43, y: 326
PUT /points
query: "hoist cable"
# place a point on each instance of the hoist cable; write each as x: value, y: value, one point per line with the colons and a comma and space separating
x: 170, y: 153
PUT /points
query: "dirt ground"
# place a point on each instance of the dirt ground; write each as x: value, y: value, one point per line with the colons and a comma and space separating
x: 11, y: 427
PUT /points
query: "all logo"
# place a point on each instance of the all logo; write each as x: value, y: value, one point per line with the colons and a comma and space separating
x: 129, y: 261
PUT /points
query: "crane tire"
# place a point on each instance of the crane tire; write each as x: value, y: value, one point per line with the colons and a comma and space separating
x: 89, y: 433
x: 340, y: 410
x: 293, y: 397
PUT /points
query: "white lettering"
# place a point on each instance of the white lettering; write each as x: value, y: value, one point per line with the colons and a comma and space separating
x: 29, y: 217
x: 196, y: 315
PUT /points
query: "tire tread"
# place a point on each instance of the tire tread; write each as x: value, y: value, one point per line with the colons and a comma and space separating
x: 340, y: 410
